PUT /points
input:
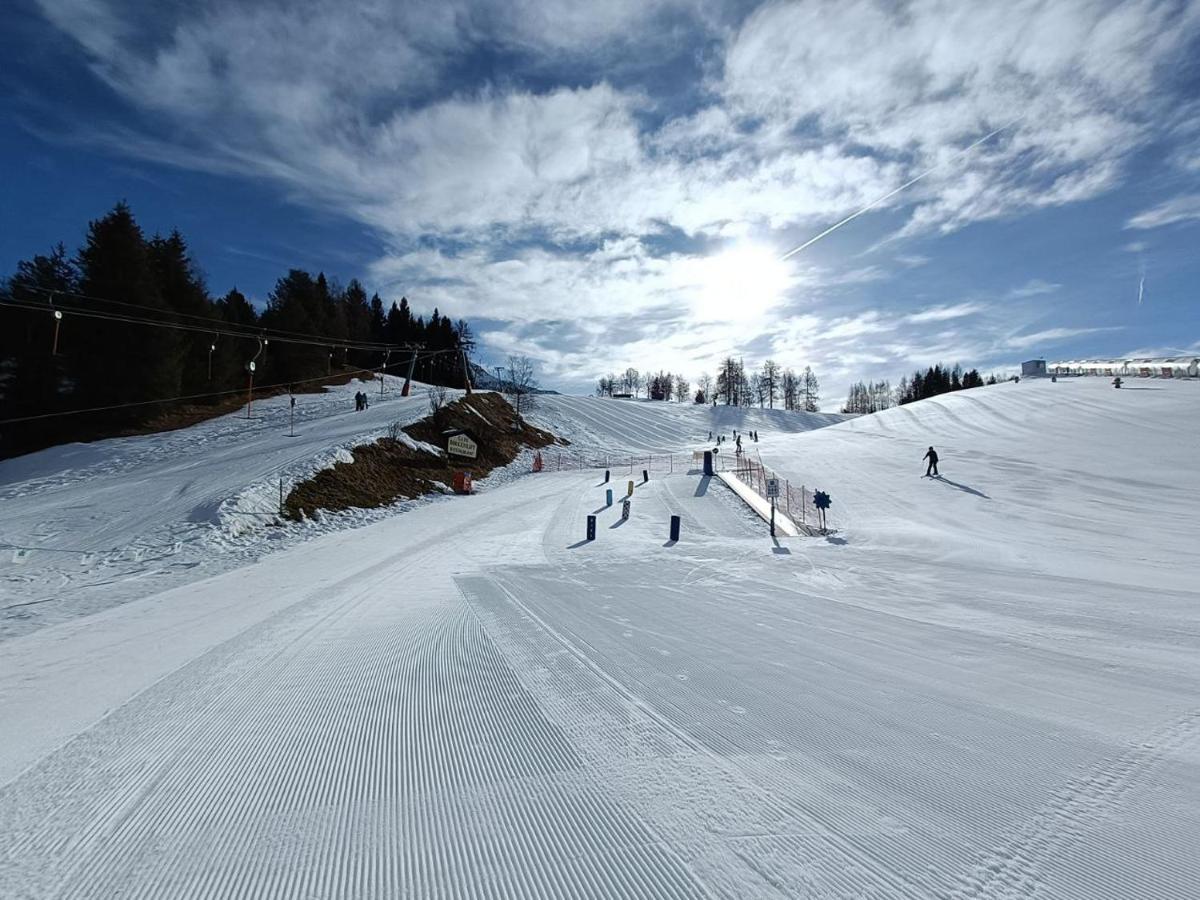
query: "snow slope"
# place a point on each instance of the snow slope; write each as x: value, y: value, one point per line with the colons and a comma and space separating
x: 644, y: 426
x: 89, y: 526
x: 983, y: 687
x: 86, y: 526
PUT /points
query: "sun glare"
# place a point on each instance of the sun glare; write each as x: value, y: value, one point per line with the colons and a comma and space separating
x: 743, y: 281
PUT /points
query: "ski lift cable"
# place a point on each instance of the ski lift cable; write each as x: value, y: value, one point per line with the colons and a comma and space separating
x: 180, y: 399
x: 211, y: 328
x: 230, y: 328
x: 90, y: 409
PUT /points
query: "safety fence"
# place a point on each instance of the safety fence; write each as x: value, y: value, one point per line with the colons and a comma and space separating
x: 794, y: 500
x: 554, y: 460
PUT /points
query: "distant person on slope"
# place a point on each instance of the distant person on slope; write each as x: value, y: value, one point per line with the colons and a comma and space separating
x: 739, y: 443
x: 931, y: 469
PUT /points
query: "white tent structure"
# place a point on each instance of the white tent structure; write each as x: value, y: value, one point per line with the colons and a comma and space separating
x: 1142, y: 367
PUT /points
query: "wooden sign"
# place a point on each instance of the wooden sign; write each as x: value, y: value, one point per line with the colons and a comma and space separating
x: 461, y: 445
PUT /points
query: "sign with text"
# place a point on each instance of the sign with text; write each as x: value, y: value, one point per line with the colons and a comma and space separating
x: 461, y: 445
x: 772, y: 488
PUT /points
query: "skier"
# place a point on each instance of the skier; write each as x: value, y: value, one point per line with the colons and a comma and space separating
x: 931, y: 469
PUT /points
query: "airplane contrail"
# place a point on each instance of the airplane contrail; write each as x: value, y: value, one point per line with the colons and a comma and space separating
x: 1141, y: 289
x: 892, y: 193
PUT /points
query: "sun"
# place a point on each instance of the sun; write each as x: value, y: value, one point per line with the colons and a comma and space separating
x: 742, y: 281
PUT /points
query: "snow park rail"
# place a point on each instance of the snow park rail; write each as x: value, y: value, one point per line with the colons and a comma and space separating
x: 795, y: 503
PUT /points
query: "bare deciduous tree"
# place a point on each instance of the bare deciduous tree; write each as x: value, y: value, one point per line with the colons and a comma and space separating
x: 437, y: 398
x: 632, y: 381
x: 681, y: 388
x: 521, y: 383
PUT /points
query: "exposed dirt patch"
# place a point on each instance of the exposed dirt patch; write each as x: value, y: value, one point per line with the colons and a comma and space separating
x: 389, y: 470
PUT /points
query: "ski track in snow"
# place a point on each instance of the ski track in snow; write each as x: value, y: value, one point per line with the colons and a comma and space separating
x: 985, y: 693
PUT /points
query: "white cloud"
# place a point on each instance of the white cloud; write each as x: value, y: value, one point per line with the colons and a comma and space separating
x: 944, y: 313
x: 1161, y: 351
x: 1035, y: 287
x: 810, y: 110
x: 1077, y: 79
x: 1177, y: 209
x: 1050, y: 336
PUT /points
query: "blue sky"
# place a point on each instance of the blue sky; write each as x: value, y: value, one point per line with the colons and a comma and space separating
x: 608, y: 184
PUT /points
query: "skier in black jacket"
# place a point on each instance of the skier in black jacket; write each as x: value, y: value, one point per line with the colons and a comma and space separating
x: 932, y: 456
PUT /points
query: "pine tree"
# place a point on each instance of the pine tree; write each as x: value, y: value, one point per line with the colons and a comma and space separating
x: 378, y: 323
x: 770, y: 381
x: 730, y: 385
x: 32, y: 380
x: 790, y: 388
x: 296, y: 305
x: 115, y: 363
x: 358, y: 322
x: 182, y: 288
x: 232, y: 353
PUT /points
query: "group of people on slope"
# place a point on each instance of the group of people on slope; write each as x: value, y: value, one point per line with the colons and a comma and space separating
x: 360, y: 401
x: 737, y: 439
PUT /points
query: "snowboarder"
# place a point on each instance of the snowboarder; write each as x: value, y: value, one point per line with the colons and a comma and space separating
x: 931, y: 469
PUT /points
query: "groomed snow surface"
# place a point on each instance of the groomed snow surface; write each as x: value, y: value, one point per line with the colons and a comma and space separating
x: 982, y: 686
